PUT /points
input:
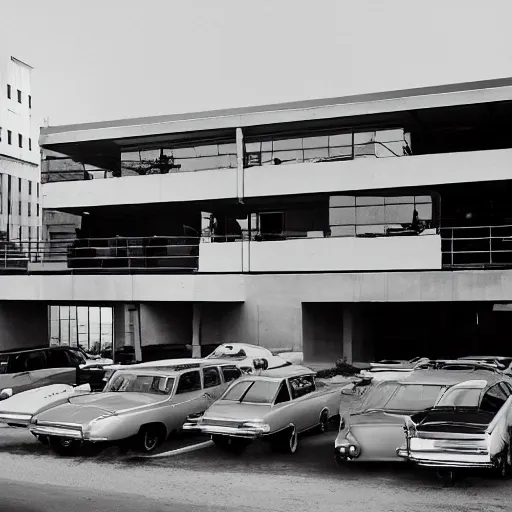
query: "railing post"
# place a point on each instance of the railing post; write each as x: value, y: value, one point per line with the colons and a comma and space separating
x: 490, y: 245
x: 451, y: 251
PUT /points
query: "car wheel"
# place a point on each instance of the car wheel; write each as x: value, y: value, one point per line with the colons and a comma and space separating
x: 324, y: 422
x: 63, y: 446
x: 447, y: 476
x: 42, y: 439
x: 504, y: 464
x: 150, y: 438
x: 286, y: 442
x: 231, y: 444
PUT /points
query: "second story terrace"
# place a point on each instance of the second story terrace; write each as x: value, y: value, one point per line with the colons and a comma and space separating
x: 409, y: 138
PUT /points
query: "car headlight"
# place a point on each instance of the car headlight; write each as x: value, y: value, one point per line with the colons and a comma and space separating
x: 5, y: 393
x: 260, y: 425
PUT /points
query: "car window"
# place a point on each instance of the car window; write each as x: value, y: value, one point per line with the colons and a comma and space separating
x: 413, y: 397
x: 133, y: 383
x: 507, y: 388
x: 189, y: 381
x: 253, y: 391
x: 77, y: 358
x: 493, y: 399
x: 58, y: 359
x: 211, y: 377
x: 231, y: 373
x: 301, y: 386
x: 35, y: 361
x: 283, y: 394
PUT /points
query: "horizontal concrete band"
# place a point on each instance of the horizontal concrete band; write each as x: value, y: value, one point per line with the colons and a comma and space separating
x: 468, y: 285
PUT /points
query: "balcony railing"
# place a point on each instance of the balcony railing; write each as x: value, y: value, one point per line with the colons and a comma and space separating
x: 477, y: 246
x: 125, y: 254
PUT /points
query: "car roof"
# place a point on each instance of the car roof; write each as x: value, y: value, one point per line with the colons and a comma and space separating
x: 284, y: 372
x: 491, y: 358
x: 450, y: 377
x: 173, y: 370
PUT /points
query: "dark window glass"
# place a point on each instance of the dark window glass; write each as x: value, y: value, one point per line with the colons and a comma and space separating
x: 58, y: 359
x: 19, y: 184
x: 493, y: 400
x: 283, y: 395
x: 9, y: 137
x: 301, y: 386
x: 190, y: 381
x: 35, y: 361
x: 211, y: 377
x: 29, y: 188
x: 29, y: 209
x: 19, y: 96
x: 8, y: 91
x: 37, y: 209
x: 20, y: 207
x: 30, y: 144
x: 20, y: 140
x: 507, y: 389
x: 29, y: 101
x: 413, y: 397
x: 231, y: 373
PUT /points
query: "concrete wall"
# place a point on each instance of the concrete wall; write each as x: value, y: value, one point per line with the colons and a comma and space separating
x: 165, y: 323
x: 378, y: 173
x: 23, y: 325
x: 323, y: 254
x: 157, y: 188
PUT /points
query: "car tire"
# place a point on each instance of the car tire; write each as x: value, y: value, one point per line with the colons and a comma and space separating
x: 324, y: 422
x: 447, y: 476
x: 504, y: 468
x: 231, y: 444
x: 42, y: 439
x: 286, y: 442
x: 149, y: 439
x: 63, y: 446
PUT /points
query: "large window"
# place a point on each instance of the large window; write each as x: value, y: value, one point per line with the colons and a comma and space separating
x: 194, y: 158
x: 363, y: 215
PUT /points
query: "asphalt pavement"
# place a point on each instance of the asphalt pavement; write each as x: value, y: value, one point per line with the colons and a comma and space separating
x: 200, y: 478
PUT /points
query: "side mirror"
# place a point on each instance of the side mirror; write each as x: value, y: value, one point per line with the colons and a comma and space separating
x: 5, y: 393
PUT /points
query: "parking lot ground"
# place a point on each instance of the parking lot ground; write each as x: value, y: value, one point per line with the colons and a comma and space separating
x: 206, y: 479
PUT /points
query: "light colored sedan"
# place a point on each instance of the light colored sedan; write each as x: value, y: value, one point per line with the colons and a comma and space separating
x: 276, y: 405
x: 138, y: 407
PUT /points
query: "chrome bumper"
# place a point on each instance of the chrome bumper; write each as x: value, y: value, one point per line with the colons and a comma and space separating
x: 18, y: 420
x: 448, y: 460
x: 50, y: 430
x: 249, y: 433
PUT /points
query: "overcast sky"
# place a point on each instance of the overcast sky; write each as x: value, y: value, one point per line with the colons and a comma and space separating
x: 105, y: 59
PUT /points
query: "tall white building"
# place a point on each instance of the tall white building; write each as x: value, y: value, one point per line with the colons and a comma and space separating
x: 20, y: 210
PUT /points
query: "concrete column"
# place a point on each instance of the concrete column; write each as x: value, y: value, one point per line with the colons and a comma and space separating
x: 23, y: 325
x: 348, y: 333
x: 240, y: 164
x: 126, y: 327
x: 196, y: 330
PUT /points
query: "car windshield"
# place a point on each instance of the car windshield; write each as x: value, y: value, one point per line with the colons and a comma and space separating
x: 224, y: 352
x: 253, y: 391
x: 393, y: 396
x: 460, y: 397
x: 130, y: 382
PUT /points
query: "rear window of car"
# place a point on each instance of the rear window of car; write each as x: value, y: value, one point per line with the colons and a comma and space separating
x: 413, y: 397
x: 461, y: 397
x: 253, y: 391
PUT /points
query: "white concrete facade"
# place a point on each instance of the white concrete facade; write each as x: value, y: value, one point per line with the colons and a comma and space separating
x: 20, y: 204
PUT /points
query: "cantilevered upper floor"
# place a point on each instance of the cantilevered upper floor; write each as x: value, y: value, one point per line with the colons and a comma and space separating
x: 410, y: 138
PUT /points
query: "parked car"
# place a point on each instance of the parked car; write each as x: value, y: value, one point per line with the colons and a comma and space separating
x: 276, y: 405
x: 30, y: 369
x: 503, y: 362
x: 138, y: 408
x: 469, y: 426
x: 375, y: 429
x: 18, y: 410
x: 241, y: 354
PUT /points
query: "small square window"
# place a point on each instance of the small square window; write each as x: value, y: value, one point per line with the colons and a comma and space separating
x: 20, y: 140
x: 9, y: 137
x: 19, y: 96
x: 8, y: 91
x: 30, y: 144
x: 29, y: 101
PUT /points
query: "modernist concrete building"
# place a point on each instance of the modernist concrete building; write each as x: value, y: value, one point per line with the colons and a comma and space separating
x: 369, y: 226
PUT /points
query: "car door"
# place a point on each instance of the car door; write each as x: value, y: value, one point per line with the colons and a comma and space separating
x: 307, y: 404
x: 212, y: 383
x: 189, y: 398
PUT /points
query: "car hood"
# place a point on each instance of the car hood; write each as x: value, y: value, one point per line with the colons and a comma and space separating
x: 458, y: 420
x: 236, y: 411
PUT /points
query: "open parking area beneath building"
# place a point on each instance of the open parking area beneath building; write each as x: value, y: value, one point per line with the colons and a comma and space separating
x: 32, y: 478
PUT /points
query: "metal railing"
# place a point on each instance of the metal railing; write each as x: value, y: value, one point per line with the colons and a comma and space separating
x: 172, y: 253
x: 477, y: 246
